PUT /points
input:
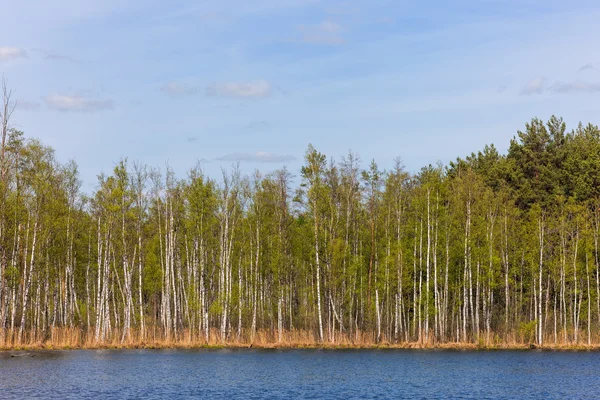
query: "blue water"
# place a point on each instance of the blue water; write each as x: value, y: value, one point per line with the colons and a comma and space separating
x: 289, y: 374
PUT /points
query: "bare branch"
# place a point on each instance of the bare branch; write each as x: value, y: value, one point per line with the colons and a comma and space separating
x: 8, y: 107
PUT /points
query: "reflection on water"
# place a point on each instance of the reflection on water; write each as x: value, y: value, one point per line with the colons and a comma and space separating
x: 298, y: 374
x: 46, y: 355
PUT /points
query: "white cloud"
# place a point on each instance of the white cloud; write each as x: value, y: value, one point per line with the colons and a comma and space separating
x: 575, y: 87
x: 177, y: 89
x: 61, y: 102
x: 327, y: 32
x: 260, y: 156
x: 11, y: 53
x: 535, y: 86
x: 252, y: 89
x: 26, y: 105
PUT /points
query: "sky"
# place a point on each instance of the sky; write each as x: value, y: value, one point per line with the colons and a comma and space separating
x: 219, y: 82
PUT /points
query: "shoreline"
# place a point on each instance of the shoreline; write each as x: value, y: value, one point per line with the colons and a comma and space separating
x: 310, y: 346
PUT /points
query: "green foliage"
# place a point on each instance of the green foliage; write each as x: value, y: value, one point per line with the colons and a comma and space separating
x: 527, y: 331
x: 387, y: 250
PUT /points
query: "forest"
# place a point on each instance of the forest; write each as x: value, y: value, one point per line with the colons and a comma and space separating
x: 492, y: 249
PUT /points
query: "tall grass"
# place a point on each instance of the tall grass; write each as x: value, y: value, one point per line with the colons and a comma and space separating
x: 153, y: 337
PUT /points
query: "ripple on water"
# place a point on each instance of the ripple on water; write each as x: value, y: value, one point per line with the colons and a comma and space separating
x: 254, y: 374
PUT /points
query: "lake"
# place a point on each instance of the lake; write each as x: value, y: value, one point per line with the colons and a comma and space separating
x: 285, y: 374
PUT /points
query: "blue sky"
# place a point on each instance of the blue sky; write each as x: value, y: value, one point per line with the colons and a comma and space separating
x: 217, y: 81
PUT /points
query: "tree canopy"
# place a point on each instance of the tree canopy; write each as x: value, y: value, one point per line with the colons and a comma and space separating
x: 493, y: 248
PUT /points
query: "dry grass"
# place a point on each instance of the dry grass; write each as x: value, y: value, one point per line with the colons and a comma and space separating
x: 75, y: 338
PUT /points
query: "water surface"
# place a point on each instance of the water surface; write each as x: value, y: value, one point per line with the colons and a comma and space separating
x: 314, y: 374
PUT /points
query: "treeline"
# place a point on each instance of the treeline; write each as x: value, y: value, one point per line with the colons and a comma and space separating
x: 491, y: 249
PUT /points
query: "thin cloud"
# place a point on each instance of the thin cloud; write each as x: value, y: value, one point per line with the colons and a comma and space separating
x: 26, y: 105
x: 8, y: 53
x: 255, y: 126
x: 54, y: 56
x: 177, y: 89
x: 258, y: 157
x: 575, y: 87
x: 59, y: 57
x: 325, y: 33
x: 252, y: 89
x: 345, y: 8
x: 540, y: 85
x: 191, y: 139
x: 587, y: 67
x: 535, y: 86
x: 76, y: 103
